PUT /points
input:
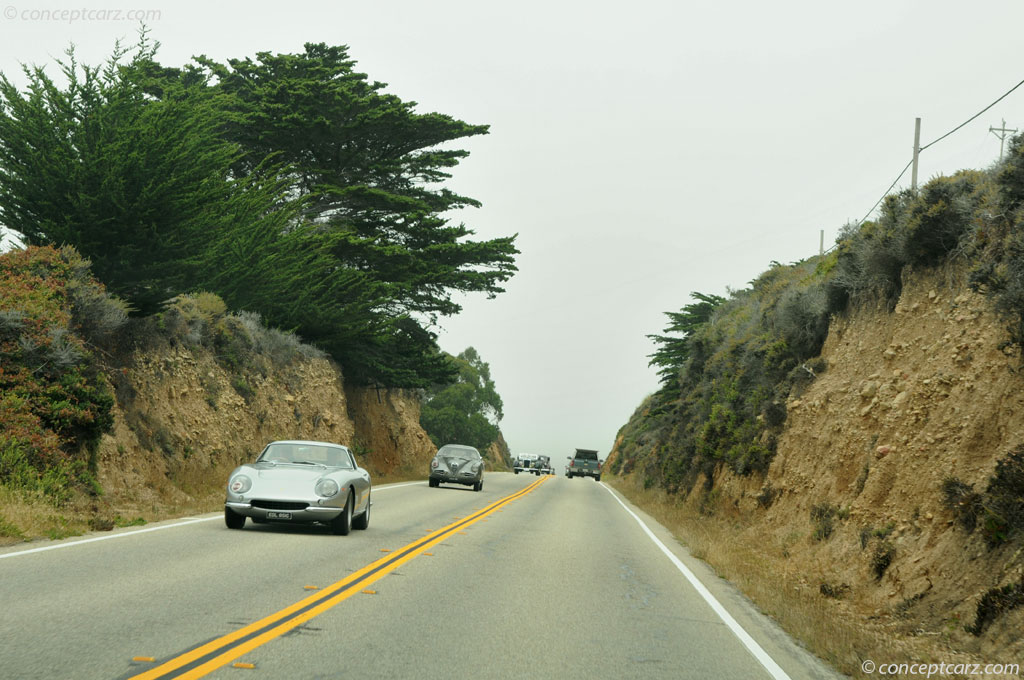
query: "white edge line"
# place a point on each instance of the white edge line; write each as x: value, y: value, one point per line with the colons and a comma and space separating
x: 147, y: 530
x: 744, y: 637
x: 398, y: 484
x: 107, y: 537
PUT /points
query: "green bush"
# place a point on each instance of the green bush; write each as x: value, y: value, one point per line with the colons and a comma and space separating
x: 870, y: 258
x: 54, y: 401
x: 801, y: 319
x: 941, y: 216
x: 1004, y: 499
x: 994, y: 603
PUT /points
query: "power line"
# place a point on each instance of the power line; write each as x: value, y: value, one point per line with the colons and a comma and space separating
x: 933, y: 142
x: 1008, y: 92
x: 886, y: 193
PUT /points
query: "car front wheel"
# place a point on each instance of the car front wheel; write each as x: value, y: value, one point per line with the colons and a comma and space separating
x: 342, y: 524
x: 363, y: 521
x: 233, y: 519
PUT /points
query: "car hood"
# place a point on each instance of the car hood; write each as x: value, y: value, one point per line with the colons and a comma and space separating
x: 284, y: 472
x: 284, y: 482
x: 456, y: 462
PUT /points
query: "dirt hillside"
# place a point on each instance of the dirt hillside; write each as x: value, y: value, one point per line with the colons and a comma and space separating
x: 852, y: 513
x: 182, y: 421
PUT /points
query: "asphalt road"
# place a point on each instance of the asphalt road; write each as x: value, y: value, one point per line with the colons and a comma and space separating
x: 559, y: 581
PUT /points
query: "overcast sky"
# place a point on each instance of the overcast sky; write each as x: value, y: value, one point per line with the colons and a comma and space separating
x: 641, y: 150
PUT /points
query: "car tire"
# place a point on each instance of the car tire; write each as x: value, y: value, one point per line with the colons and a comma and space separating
x: 597, y: 478
x: 363, y: 521
x: 478, y: 486
x: 515, y: 471
x: 233, y: 520
x: 342, y: 524
x: 432, y: 482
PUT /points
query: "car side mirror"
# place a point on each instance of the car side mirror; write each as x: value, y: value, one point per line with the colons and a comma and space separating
x: 600, y: 462
x: 568, y: 457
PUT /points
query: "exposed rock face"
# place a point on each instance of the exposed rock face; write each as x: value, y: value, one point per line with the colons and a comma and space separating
x: 498, y: 454
x: 387, y: 427
x: 182, y: 423
x: 911, y: 398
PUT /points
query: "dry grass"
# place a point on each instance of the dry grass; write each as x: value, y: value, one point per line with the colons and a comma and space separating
x: 27, y: 517
x: 836, y: 630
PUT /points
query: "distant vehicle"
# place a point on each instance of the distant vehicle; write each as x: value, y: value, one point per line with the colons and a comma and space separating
x: 457, y: 464
x: 300, y: 482
x: 584, y: 464
x: 524, y: 462
x: 542, y: 466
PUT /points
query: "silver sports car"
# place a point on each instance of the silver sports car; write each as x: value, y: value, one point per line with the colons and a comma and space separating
x: 300, y: 482
x: 457, y: 464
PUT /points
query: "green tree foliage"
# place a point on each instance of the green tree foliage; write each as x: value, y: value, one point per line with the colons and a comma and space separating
x: 369, y: 170
x: 674, y: 350
x: 142, y: 187
x: 466, y: 411
x: 726, y: 373
x: 291, y: 186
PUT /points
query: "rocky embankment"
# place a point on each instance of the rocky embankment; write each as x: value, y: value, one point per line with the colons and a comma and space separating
x: 856, y: 509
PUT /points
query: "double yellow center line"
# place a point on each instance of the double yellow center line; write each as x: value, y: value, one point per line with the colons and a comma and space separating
x: 208, y: 657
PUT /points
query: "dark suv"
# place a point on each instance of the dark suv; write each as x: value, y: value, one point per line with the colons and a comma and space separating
x: 584, y: 464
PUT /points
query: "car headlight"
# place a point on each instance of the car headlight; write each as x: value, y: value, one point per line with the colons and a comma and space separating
x: 327, y: 488
x: 239, y: 484
x: 433, y: 463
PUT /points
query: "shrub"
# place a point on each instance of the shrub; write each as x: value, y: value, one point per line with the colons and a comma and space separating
x: 834, y: 592
x: 994, y: 603
x: 1004, y: 498
x: 881, y: 558
x: 801, y: 319
x: 1010, y: 178
x: 1000, y: 510
x: 940, y: 217
x: 97, y: 315
x: 862, y: 479
x: 55, y: 403
x: 768, y: 496
x: 280, y: 347
x: 243, y: 388
x: 822, y: 516
x: 963, y: 501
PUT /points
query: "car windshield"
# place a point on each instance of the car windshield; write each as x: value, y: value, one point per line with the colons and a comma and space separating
x: 307, y: 454
x: 459, y: 451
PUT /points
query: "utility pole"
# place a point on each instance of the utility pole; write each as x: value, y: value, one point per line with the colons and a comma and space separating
x: 917, y: 152
x: 1001, y: 133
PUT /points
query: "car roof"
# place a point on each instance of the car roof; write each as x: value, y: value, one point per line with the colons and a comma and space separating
x: 459, y: 446
x: 307, y: 442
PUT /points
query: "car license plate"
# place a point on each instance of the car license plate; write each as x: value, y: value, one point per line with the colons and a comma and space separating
x: 279, y: 515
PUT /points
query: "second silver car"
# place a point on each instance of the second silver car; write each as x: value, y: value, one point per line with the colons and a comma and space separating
x: 457, y: 464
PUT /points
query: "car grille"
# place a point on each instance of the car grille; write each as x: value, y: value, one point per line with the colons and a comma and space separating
x: 279, y: 505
